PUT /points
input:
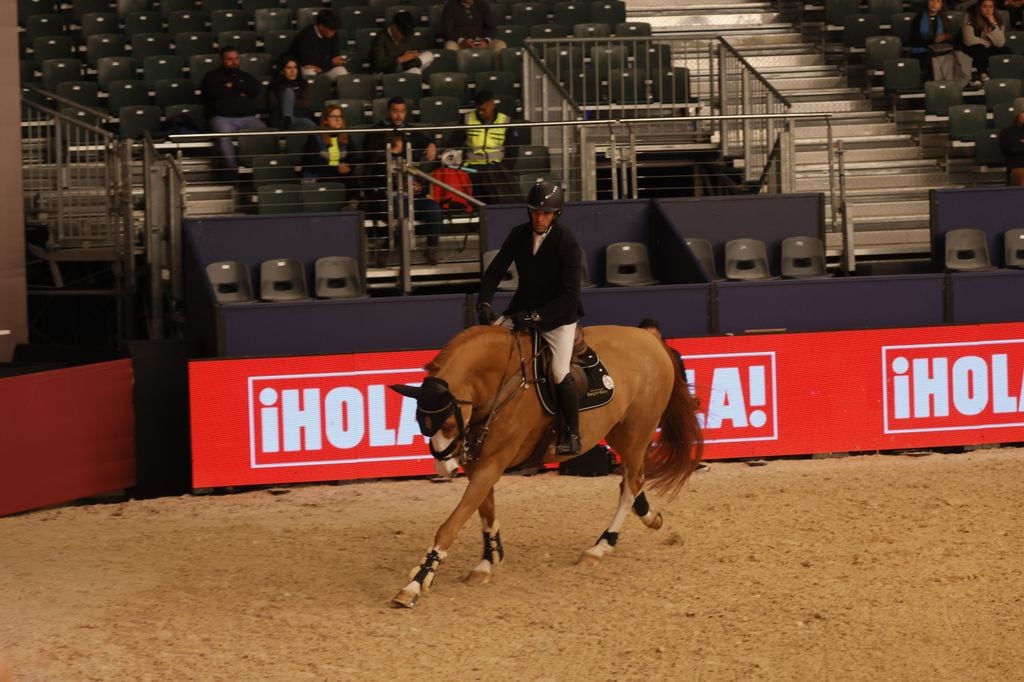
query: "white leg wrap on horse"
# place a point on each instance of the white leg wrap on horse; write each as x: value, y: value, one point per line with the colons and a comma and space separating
x: 483, y: 567
x: 423, y: 575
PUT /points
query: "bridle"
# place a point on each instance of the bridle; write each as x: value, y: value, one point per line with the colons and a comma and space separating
x: 437, y: 403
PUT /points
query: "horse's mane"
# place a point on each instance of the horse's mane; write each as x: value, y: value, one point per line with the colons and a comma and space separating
x: 463, y: 337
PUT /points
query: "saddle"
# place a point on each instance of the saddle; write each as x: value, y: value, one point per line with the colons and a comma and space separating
x: 594, y: 384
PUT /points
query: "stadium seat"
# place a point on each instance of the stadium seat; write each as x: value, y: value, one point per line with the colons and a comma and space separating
x: 704, y: 252
x: 511, y: 59
x: 109, y: 69
x: 52, y: 47
x: 256, y: 149
x: 319, y: 90
x: 510, y: 280
x: 447, y: 61
x: 161, y: 67
x: 609, y: 12
x: 901, y: 75
x: 528, y: 13
x: 424, y: 38
x: 672, y: 86
x: 803, y: 257
x: 229, y: 20
x: 167, y: 7
x: 243, y: 41
x: 306, y: 16
x: 278, y: 43
x: 323, y: 197
x: 59, y: 70
x: 96, y: 23
x: 569, y: 13
x: 1001, y: 90
x: 439, y: 110
x: 632, y: 29
x: 627, y: 86
x: 1013, y: 248
x: 105, y: 45
x: 499, y: 83
x: 533, y: 159
x: 1003, y: 115
x: 1015, y: 41
x: 965, y: 120
x: 939, y: 96
x: 190, y: 43
x: 151, y: 44
x: 136, y: 121
x: 392, y: 9
x: 186, y: 21
x: 746, y: 259
x: 258, y: 64
x: 28, y: 8
x: 857, y: 28
x: 356, y: 18
x: 201, y: 64
x: 275, y: 199
x: 513, y: 34
x: 282, y: 279
x: 125, y: 7
x: 363, y: 42
x: 355, y: 111
x: 229, y: 282
x: 270, y: 169
x: 408, y: 86
x: 627, y: 265
x: 967, y: 251
x: 142, y: 22
x: 987, y: 150
x: 884, y: 9
x: 836, y: 11
x: 880, y: 49
x: 85, y: 93
x: 170, y: 91
x: 449, y: 84
x: 194, y: 112
x: 552, y: 30
x: 271, y: 19
x: 591, y: 30
x: 472, y: 61
x: 41, y: 25
x: 81, y: 8
x: 1006, y: 66
x: 356, y: 86
x: 338, y: 277
x: 901, y: 25
x: 212, y: 6
x: 126, y: 93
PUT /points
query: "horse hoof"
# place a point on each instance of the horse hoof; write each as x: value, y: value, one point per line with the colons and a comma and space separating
x: 657, y: 522
x: 588, y: 559
x: 404, y: 599
x: 477, y: 578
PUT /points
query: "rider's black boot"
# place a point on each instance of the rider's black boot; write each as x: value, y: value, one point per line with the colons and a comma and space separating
x: 569, y: 406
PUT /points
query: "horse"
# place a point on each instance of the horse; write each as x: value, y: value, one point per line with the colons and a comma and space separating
x: 479, y: 408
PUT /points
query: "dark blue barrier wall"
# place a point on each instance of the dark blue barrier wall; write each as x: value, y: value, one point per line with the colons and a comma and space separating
x: 979, y: 297
x: 994, y: 210
x: 355, y: 326
x: 830, y: 303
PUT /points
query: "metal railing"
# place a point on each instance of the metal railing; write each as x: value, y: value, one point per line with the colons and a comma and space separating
x: 760, y: 142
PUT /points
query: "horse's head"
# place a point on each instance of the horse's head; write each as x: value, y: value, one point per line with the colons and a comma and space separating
x: 439, y: 415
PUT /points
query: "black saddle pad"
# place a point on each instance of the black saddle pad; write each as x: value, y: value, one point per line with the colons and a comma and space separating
x: 599, y: 383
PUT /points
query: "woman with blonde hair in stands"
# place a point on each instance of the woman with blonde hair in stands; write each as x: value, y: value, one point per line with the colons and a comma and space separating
x: 983, y: 36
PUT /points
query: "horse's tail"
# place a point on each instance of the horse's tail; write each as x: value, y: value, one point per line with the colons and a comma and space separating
x: 678, y: 450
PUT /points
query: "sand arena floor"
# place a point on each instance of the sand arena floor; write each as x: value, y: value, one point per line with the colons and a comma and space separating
x: 862, y: 568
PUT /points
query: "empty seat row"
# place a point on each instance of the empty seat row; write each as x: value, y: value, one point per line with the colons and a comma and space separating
x: 284, y: 279
x: 747, y: 259
x: 966, y: 250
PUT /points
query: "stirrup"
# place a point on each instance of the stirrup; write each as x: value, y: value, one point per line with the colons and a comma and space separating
x: 568, y: 444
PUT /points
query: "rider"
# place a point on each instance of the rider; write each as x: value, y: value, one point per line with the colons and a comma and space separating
x: 548, y: 259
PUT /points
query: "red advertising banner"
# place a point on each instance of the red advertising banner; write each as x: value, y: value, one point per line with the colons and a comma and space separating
x: 68, y: 433
x: 332, y: 417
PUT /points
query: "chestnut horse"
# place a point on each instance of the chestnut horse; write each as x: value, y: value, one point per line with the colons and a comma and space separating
x: 479, y: 408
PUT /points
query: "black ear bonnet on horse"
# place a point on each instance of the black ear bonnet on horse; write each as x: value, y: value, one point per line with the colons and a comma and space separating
x: 434, y: 404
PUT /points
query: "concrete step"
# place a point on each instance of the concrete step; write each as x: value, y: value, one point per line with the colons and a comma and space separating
x: 822, y: 94
x: 810, y: 160
x: 799, y: 83
x: 893, y: 168
x: 768, y: 63
x: 779, y: 41
x: 831, y: 106
x: 705, y: 20
x: 818, y: 182
x: 864, y: 211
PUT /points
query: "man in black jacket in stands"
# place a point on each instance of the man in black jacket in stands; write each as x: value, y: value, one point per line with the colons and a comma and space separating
x: 229, y: 98
x: 316, y: 47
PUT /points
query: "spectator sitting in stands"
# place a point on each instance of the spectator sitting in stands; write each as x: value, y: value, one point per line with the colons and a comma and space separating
x: 288, y: 98
x: 393, y: 143
x: 1011, y: 140
x: 316, y: 47
x: 390, y: 51
x: 229, y: 96
x: 930, y: 37
x: 469, y: 23
x: 491, y: 151
x: 331, y: 154
x: 982, y: 36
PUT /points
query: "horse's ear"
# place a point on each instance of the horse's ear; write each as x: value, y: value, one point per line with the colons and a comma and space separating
x: 409, y: 391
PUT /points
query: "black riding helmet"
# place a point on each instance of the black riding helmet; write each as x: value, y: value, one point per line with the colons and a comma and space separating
x: 546, y: 196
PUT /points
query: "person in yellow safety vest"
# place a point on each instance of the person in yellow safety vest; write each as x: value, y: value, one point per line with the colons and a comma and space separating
x: 490, y: 151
